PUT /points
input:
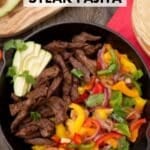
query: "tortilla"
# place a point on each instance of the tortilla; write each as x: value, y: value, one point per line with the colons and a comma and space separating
x: 141, y: 23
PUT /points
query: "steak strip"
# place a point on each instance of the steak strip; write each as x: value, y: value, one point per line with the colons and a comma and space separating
x: 59, y: 107
x: 39, y: 141
x: 47, y: 74
x: 85, y: 37
x: 90, y: 64
x: 67, y: 83
x: 76, y: 64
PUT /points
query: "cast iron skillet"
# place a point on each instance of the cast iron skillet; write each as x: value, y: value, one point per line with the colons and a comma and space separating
x: 65, y: 32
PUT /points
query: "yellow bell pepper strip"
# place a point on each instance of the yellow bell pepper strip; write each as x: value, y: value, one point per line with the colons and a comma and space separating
x: 86, y: 87
x: 90, y: 128
x: 126, y: 65
x: 94, y: 100
x: 86, y: 131
x: 102, y: 113
x: 139, y: 103
x: 134, y: 129
x: 113, y: 142
x: 38, y: 147
x: 107, y: 57
x: 61, y: 131
x: 104, y: 138
x: 75, y: 123
x: 122, y: 87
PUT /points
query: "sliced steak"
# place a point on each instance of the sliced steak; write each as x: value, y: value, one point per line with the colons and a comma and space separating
x: 56, y: 46
x: 46, y: 127
x: 54, y: 85
x: 78, y: 65
x: 67, y: 83
x: 74, y: 89
x: 59, y: 108
x: 66, y: 55
x: 39, y: 141
x: 84, y: 37
x: 15, y: 98
x: 38, y: 92
x: 45, y: 111
x: 27, y: 131
x: 33, y: 96
x: 15, y: 108
x: 92, y: 49
x: 21, y: 115
x: 89, y: 63
x: 47, y: 74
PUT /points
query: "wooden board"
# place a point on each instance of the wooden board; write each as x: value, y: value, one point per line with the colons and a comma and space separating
x: 22, y: 18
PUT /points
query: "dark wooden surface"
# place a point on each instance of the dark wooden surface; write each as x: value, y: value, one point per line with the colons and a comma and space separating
x: 89, y: 15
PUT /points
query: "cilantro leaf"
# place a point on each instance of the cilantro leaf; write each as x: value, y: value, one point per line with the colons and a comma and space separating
x: 15, y: 44
x: 20, y: 45
x: 11, y: 71
x: 29, y: 79
x: 77, y: 73
x: 124, y: 129
x: 138, y: 74
x: 9, y: 45
x: 35, y: 116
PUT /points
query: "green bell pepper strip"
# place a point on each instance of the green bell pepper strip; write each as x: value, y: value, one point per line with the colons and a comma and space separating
x: 113, y: 67
x: 94, y: 100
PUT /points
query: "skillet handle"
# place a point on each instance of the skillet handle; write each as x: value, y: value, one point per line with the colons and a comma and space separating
x: 3, y: 142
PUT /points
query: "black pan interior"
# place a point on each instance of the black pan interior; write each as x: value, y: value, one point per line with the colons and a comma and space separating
x: 65, y: 32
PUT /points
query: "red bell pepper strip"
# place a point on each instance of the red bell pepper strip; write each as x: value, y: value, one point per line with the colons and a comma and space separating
x: 77, y: 139
x: 81, y: 98
x: 112, y: 135
x: 98, y: 88
x: 134, y: 128
x: 137, y: 124
x: 56, y: 139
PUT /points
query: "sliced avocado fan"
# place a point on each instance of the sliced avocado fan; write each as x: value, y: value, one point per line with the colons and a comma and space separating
x: 7, y: 6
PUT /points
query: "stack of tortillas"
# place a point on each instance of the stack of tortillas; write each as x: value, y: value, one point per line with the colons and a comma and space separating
x: 141, y: 23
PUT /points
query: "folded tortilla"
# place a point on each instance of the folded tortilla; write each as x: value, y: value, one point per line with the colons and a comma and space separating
x: 141, y: 23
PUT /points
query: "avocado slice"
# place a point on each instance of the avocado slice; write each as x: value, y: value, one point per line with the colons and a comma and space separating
x: 7, y: 5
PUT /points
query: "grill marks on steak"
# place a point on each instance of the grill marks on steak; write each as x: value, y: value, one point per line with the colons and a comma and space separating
x: 55, y: 88
x: 90, y: 64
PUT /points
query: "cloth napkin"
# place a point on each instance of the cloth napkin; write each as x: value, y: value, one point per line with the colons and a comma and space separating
x: 121, y: 23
